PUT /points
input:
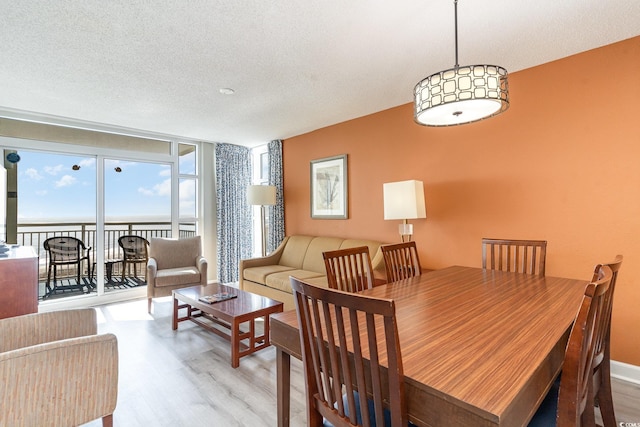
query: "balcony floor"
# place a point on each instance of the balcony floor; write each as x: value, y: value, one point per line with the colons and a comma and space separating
x: 67, y: 287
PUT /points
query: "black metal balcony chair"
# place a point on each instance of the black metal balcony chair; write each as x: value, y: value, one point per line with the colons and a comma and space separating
x: 66, y: 251
x: 136, y: 251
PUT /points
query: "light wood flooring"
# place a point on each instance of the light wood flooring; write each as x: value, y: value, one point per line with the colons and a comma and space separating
x: 184, y: 378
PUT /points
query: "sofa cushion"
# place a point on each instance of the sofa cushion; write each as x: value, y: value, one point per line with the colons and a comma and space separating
x: 354, y: 243
x: 281, y: 281
x: 259, y: 274
x: 321, y: 281
x: 177, y: 276
x: 313, y: 260
x: 295, y: 251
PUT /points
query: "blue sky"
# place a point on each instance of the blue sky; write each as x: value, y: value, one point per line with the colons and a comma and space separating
x: 49, y: 188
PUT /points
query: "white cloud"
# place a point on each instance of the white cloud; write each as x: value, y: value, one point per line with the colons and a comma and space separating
x: 33, y: 174
x: 53, y: 170
x: 65, y: 181
x: 165, y: 172
x: 41, y: 193
x: 145, y: 191
x: 90, y: 162
x: 162, y: 189
x: 187, y: 190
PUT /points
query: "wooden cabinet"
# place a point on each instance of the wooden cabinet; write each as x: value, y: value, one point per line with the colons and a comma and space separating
x: 18, y: 282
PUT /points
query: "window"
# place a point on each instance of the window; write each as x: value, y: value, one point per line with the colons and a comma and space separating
x: 260, y: 176
x: 107, y: 189
x: 188, y: 189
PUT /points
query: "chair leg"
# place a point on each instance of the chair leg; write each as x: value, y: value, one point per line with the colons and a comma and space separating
x: 48, y: 285
x: 604, y: 397
x: 149, y: 305
x: 588, y: 417
x: 107, y: 420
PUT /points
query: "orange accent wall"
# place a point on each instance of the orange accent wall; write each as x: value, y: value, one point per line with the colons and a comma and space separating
x: 562, y: 164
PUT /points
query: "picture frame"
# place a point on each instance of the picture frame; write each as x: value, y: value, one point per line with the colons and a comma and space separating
x: 329, y: 188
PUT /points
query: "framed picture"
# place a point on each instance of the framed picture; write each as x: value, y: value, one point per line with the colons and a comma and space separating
x: 329, y: 188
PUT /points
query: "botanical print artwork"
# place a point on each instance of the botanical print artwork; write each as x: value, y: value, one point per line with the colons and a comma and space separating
x: 328, y: 188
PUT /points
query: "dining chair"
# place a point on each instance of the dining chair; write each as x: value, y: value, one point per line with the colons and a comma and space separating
x: 518, y: 256
x: 602, y: 359
x: 401, y: 261
x: 349, y: 269
x: 351, y: 357
x: 135, y: 251
x: 570, y: 402
x: 65, y: 251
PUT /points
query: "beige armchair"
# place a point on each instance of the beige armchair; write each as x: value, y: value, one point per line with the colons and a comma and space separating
x: 174, y: 264
x: 55, y: 370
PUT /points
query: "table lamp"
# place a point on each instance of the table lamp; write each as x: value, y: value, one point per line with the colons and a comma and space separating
x: 262, y: 195
x: 404, y: 200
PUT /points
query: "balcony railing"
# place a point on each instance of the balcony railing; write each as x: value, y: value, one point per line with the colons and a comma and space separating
x: 34, y: 234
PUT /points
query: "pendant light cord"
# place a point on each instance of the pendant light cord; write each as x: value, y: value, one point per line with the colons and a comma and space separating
x: 455, y: 11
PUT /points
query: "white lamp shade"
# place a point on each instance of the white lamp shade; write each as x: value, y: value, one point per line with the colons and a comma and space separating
x: 261, y: 195
x: 404, y: 200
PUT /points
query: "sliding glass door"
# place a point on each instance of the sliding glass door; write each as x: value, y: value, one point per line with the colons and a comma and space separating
x: 97, y: 194
x: 51, y: 205
x: 137, y: 207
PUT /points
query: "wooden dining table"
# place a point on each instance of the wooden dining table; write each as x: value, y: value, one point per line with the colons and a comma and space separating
x: 479, y: 347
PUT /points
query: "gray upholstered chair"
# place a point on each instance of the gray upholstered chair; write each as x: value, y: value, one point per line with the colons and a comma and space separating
x: 56, y: 370
x: 174, y: 264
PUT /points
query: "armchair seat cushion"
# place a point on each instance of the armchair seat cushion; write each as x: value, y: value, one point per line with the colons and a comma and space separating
x: 177, y: 276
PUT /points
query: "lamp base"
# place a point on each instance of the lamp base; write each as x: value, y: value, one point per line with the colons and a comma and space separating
x: 263, y: 230
x: 406, y: 230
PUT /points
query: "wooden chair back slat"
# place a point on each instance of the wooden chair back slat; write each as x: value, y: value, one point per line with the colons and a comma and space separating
x: 401, y: 261
x: 349, y: 343
x: 350, y: 269
x: 576, y: 397
x: 602, y: 354
x: 518, y: 256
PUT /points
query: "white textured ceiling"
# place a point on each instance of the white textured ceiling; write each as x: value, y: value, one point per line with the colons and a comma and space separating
x: 295, y: 66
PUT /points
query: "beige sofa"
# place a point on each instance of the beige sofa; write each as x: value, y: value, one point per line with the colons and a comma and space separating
x: 301, y: 257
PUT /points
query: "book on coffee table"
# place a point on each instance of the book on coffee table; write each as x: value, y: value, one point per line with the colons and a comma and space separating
x: 222, y: 296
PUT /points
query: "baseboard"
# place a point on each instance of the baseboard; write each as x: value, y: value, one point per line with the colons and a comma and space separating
x: 625, y: 372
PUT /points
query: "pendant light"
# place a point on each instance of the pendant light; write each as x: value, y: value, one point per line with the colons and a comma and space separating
x: 461, y: 94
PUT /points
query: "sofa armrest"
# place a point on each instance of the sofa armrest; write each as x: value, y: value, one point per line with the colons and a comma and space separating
x: 152, y: 271
x: 37, y: 328
x: 66, y: 382
x: 202, y: 265
x: 271, y: 259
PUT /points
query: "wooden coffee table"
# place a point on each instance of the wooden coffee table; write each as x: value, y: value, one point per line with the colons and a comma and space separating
x: 225, y: 318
